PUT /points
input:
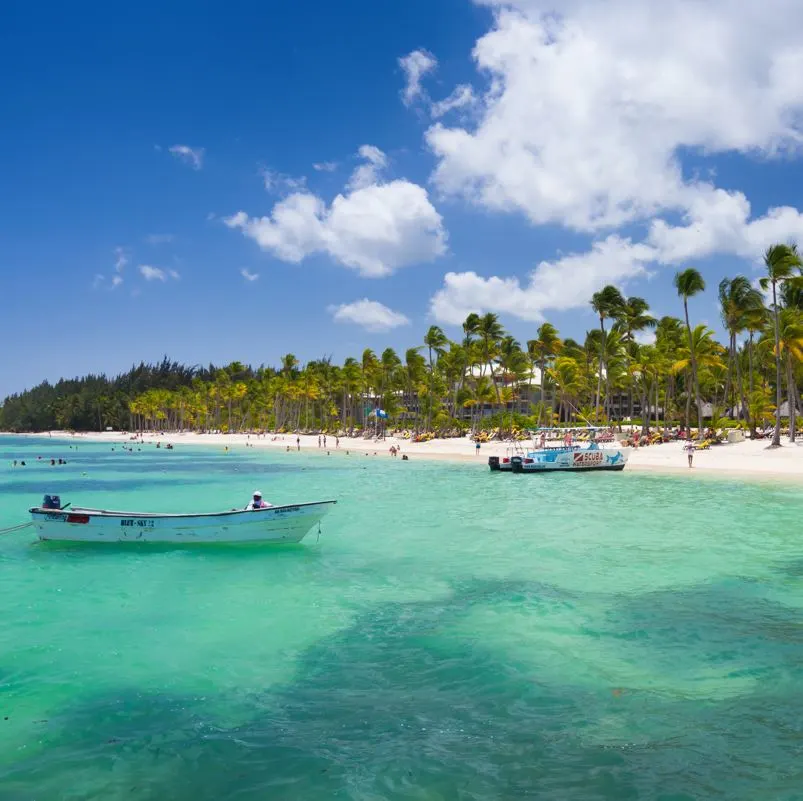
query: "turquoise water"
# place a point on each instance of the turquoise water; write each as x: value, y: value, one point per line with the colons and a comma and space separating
x: 453, y: 635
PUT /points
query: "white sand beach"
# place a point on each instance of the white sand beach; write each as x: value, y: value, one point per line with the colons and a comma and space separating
x: 746, y: 459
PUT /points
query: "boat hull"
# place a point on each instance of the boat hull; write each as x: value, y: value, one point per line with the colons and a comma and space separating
x: 276, y: 524
x: 560, y: 460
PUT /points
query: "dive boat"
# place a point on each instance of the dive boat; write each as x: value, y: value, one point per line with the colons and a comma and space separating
x: 271, y: 524
x: 584, y: 457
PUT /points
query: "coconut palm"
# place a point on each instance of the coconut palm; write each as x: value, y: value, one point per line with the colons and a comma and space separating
x: 568, y: 377
x: 783, y: 263
x: 689, y: 283
x: 738, y: 300
x: 608, y: 302
x: 632, y: 318
x: 790, y: 336
x: 541, y: 352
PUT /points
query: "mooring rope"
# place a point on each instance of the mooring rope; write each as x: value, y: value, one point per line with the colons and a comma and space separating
x: 15, y: 528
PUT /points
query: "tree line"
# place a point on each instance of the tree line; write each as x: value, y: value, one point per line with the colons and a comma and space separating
x: 485, y: 379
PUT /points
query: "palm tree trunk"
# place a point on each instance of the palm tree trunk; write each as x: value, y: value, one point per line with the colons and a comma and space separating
x: 776, y: 434
x: 731, y: 351
x: 742, y: 398
x: 688, y: 405
x: 694, y: 372
x: 791, y: 397
x: 599, y: 372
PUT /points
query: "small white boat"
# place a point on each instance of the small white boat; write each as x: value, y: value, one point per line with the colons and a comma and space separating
x: 273, y: 524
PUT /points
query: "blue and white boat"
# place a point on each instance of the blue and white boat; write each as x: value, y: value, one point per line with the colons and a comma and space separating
x: 581, y: 457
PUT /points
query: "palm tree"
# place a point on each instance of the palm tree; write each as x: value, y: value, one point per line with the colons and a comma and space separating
x: 631, y: 320
x: 689, y: 283
x: 541, y: 352
x: 490, y: 332
x: 790, y: 325
x: 782, y: 263
x: 608, y: 302
x: 568, y: 377
x: 434, y: 340
x: 738, y: 300
x: 471, y: 327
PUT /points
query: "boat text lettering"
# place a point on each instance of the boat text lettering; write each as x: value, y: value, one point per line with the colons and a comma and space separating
x: 587, y: 459
x: 137, y: 523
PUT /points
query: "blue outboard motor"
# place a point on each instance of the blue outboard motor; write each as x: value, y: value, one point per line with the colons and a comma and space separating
x: 51, y: 502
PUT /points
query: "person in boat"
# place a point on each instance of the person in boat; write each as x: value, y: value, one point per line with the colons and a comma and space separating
x: 257, y: 502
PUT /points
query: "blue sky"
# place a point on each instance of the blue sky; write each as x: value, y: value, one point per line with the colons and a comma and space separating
x: 560, y: 152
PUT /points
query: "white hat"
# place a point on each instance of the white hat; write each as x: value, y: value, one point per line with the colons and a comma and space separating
x: 257, y: 494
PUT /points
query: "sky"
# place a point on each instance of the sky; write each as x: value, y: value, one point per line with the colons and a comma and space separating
x: 219, y: 183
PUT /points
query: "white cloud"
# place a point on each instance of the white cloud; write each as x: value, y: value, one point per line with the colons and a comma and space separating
x: 646, y: 337
x: 719, y: 222
x: 189, y: 155
x: 120, y: 260
x: 461, y: 97
x: 157, y: 274
x: 325, y: 166
x: 370, y: 314
x: 249, y: 276
x: 415, y: 65
x: 98, y: 280
x: 566, y: 283
x: 368, y: 173
x: 374, y: 228
x: 159, y: 239
x: 152, y: 273
x: 116, y: 281
x: 590, y: 105
x: 280, y: 183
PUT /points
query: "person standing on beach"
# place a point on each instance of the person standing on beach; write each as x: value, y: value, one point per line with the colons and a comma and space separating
x: 319, y: 440
x: 337, y: 441
x: 477, y: 447
x: 689, y: 446
x: 298, y: 442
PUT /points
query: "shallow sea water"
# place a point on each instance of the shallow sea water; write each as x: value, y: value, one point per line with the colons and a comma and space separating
x: 453, y: 635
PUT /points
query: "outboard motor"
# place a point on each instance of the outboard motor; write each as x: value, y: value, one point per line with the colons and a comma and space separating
x: 517, y: 464
x: 51, y: 502
x: 493, y: 462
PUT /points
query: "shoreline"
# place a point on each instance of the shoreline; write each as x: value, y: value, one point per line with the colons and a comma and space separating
x: 745, y: 460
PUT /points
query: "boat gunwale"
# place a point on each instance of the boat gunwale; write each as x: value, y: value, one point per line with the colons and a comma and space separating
x: 106, y: 513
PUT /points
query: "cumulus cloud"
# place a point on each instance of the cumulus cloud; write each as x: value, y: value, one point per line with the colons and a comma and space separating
x: 461, y: 97
x: 719, y: 222
x: 368, y: 173
x: 325, y: 166
x: 249, y: 276
x: 415, y: 66
x: 194, y: 156
x: 279, y: 183
x: 373, y: 227
x: 370, y: 314
x: 589, y: 105
x: 563, y: 284
x: 116, y: 281
x: 120, y: 260
x: 152, y: 273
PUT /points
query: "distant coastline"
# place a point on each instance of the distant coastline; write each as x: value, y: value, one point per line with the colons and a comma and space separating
x: 749, y: 460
